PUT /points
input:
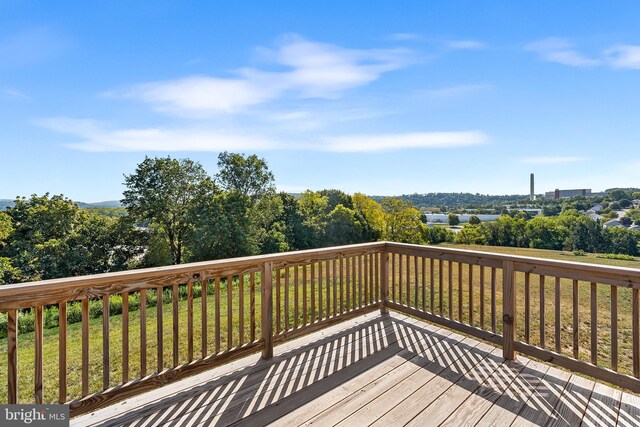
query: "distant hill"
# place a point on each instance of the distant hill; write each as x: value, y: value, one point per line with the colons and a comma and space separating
x: 456, y: 199
x: 5, y: 203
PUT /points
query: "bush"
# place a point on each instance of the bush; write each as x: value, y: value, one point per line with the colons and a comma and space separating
x: 622, y: 257
x: 579, y: 252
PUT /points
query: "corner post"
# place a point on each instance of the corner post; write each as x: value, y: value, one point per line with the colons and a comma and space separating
x: 267, y: 309
x: 384, y: 282
x: 508, y: 310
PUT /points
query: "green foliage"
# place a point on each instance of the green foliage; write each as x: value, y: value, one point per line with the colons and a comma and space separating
x: 474, y: 220
x: 579, y: 252
x: 248, y: 176
x: 470, y: 235
x: 403, y: 222
x: 617, y: 256
x: 163, y: 191
x: 453, y: 219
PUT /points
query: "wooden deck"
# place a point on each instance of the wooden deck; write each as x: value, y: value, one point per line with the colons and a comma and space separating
x: 378, y: 370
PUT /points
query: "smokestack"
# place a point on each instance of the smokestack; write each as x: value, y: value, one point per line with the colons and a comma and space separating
x: 532, y: 195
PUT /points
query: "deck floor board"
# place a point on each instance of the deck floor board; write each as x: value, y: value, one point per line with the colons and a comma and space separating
x: 387, y: 370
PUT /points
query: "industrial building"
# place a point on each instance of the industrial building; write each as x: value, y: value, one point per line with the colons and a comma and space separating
x: 562, y: 194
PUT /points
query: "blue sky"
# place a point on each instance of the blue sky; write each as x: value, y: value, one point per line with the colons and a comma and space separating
x: 376, y: 97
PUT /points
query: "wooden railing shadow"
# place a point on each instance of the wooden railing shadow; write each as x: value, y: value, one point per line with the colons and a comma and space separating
x: 272, y: 388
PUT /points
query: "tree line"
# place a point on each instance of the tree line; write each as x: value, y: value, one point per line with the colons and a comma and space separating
x: 176, y: 212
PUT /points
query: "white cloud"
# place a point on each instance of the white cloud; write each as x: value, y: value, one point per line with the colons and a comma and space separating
x: 624, y: 56
x: 551, y: 160
x: 12, y: 93
x: 312, y: 70
x: 465, y: 44
x: 90, y: 135
x: 561, y: 51
x: 399, y: 141
x: 454, y: 91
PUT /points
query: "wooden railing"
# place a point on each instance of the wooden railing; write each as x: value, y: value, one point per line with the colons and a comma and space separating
x: 210, y: 313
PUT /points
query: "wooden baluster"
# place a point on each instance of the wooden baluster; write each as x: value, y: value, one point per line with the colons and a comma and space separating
x: 557, y: 315
x: 432, y: 283
x: 384, y: 283
x: 348, y: 283
x: 493, y: 300
x: 204, y: 284
x: 370, y: 279
x: 286, y: 298
x: 614, y: 328
x: 328, y: 289
x: 415, y: 281
x: 542, y: 311
x: 267, y: 310
x: 376, y: 269
x: 408, y: 268
x: 471, y: 294
x: 12, y: 353
x: 278, y: 308
x: 482, y: 296
x: 320, y: 289
x: 635, y: 303
x: 218, y: 320
x: 176, y: 329
x: 85, y: 346
x: 143, y: 332
x: 342, y: 307
x: 400, y: 279
x: 576, y: 337
x: 393, y: 278
x: 424, y: 284
x: 440, y: 285
x: 460, y: 291
x: 160, y: 328
x: 508, y: 310
x: 304, y: 295
x: 125, y: 337
x: 39, y: 343
x: 313, y: 293
x: 594, y: 323
x: 62, y: 351
x: 354, y: 281
x: 190, y: 320
x: 334, y: 279
x: 360, y: 283
x: 241, y: 309
x: 105, y: 342
x: 449, y: 285
x: 527, y: 306
x: 252, y: 279
x: 229, y: 312
x: 296, y: 307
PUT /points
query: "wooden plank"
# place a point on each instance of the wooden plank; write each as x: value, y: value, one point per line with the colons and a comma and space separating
x: 635, y: 302
x: 204, y: 322
x: 12, y: 356
x: 105, y: 343
x: 542, y: 311
x: 614, y: 328
x: 125, y: 337
x: 252, y: 307
x: 175, y: 326
x: 594, y: 323
x: 218, y: 315
x: 493, y: 300
x: 229, y: 312
x: 527, y: 307
x: 38, y: 350
x: 563, y: 361
x: 557, y: 306
x: 85, y: 346
x: 508, y: 311
x: 143, y: 332
x: 629, y: 414
x: 603, y: 407
x: 266, y: 299
x: 576, y: 336
x: 190, y: 320
x: 159, y: 328
x: 241, y: 309
x: 572, y: 403
x: 62, y: 352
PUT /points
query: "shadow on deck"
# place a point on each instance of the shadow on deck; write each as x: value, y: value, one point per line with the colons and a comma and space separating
x: 380, y: 369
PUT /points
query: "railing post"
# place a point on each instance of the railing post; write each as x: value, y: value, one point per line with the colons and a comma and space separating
x: 267, y: 310
x: 384, y: 282
x: 508, y: 310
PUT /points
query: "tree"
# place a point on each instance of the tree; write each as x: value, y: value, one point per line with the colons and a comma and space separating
x: 546, y: 233
x: 337, y: 197
x: 470, y: 235
x: 372, y: 213
x: 454, y: 220
x: 163, y: 191
x: 626, y: 221
x: 343, y: 227
x: 618, y: 194
x: 474, y: 220
x: 248, y: 176
x: 403, y: 221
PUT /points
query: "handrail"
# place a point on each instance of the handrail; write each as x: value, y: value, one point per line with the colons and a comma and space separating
x: 250, y: 304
